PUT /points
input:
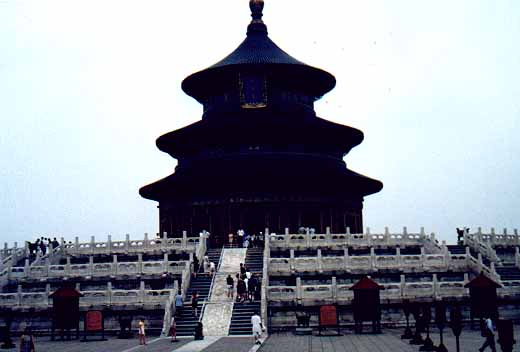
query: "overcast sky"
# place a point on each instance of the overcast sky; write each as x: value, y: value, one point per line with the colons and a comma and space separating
x: 87, y: 86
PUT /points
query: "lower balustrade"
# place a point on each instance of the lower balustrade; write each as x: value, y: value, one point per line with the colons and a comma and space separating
x: 106, y: 297
x: 98, y: 269
x: 341, y: 293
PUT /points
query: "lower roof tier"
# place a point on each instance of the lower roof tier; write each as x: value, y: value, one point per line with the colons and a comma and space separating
x: 262, y: 174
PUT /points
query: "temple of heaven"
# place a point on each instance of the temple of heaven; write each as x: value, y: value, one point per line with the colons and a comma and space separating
x: 259, y: 157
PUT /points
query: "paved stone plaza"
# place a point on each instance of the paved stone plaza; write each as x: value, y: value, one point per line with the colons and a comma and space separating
x: 286, y: 342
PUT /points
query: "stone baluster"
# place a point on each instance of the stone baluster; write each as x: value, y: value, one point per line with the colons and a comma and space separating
x: 76, y: 245
x: 142, y: 291
x: 140, y: 263
x: 405, y: 233
x: 387, y: 236
x: 480, y: 263
x: 328, y: 237
x: 479, y: 234
x: 334, y: 290
x: 517, y: 241
x: 346, y: 259
x: 184, y: 239
x: 164, y: 242
x: 92, y: 244
x: 348, y: 238
x: 127, y: 242
x: 517, y: 257
x: 6, y: 249
x: 286, y: 231
x: 492, y: 236
x: 466, y: 280
x: 91, y: 265
x: 320, y: 262
x: 432, y: 237
x: 423, y: 257
x: 47, y: 264
x: 402, y: 285
x: 109, y: 292
x: 47, y: 293
x: 26, y: 269
x: 19, y: 295
x: 372, y: 258
x: 299, y: 292
x: 435, y: 288
x: 492, y: 267
x: 291, y: 260
x: 109, y: 244
x: 399, y: 257
x: 115, y: 265
x: 506, y: 239
x: 67, y: 266
x: 25, y: 249
x: 368, y: 237
x: 146, y: 241
x: 165, y: 262
x: 78, y: 286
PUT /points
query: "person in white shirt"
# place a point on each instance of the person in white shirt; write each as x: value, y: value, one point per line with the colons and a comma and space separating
x: 256, y: 321
x: 211, y: 269
x: 489, y: 333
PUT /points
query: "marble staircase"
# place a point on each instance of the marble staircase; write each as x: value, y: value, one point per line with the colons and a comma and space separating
x: 255, y: 260
x: 186, y: 321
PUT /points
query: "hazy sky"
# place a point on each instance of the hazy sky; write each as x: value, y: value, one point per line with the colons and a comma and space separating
x: 87, y: 86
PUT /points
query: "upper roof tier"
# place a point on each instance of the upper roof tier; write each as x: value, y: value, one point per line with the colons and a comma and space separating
x: 258, y: 52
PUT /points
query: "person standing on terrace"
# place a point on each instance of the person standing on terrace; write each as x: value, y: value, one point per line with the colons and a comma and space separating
x: 142, y: 333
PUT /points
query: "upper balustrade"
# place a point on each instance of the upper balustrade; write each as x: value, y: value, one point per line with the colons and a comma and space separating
x: 494, y: 239
x: 367, y: 239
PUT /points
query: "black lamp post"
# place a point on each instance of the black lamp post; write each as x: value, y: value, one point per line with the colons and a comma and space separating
x: 427, y: 317
x: 408, y: 334
x: 416, y: 312
x: 456, y: 323
x: 440, y: 320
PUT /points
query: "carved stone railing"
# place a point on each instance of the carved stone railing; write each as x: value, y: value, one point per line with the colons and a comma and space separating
x: 369, y: 263
x: 98, y: 269
x: 265, y: 280
x: 340, y: 240
x: 340, y: 293
x: 130, y: 246
x: 106, y: 297
x: 505, y: 239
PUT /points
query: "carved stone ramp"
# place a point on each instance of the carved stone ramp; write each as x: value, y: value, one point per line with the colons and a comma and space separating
x: 219, y: 309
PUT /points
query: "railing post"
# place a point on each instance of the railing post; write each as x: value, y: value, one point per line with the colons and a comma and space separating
x: 299, y: 293
x: 142, y: 291
x: 387, y: 235
x: 372, y: 258
x: 92, y: 244
x: 19, y: 294
x: 26, y: 268
x: 109, y: 243
x: 402, y: 284
x: 328, y: 237
x: 165, y: 262
x: 76, y: 244
x: 399, y: 257
x: 308, y: 235
x: 517, y: 257
x: 434, y: 280
x: 334, y: 290
x: 146, y: 241
x: 127, y: 242
x: 109, y: 291
x: 184, y: 239
x: 91, y: 265
x: 423, y: 257
x: 291, y: 260
x: 480, y: 263
x: 320, y: 263
x: 140, y: 263
x: 286, y: 231
x: 115, y: 266
x: 517, y: 242
x: 492, y: 236
x: 67, y: 266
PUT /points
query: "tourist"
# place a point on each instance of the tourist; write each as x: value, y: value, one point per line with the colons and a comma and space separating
x: 199, y: 331
x: 230, y: 285
x: 195, y: 266
x: 251, y: 288
x: 211, y: 269
x: 173, y: 330
x: 43, y: 247
x: 230, y: 238
x: 241, y: 288
x: 246, y: 242
x: 142, y: 333
x: 256, y: 321
x: 194, y: 303
x: 489, y: 334
x: 27, y: 341
x: 206, y: 264
x: 240, y: 234
x: 242, y: 270
x: 179, y: 303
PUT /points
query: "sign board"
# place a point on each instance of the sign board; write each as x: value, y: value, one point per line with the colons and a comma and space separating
x: 94, y: 320
x: 328, y: 316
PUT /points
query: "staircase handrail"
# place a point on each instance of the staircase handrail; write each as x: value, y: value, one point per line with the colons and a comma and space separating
x: 215, y: 274
x: 169, y: 309
x: 265, y: 279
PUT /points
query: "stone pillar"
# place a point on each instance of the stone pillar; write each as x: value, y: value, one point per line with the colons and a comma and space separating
x: 434, y: 280
x: 399, y: 257
x: 402, y: 284
x: 346, y: 261
x: 387, y: 235
x: 372, y: 258
x: 140, y: 263
x: 76, y: 244
x: 19, y: 294
x: 91, y: 265
x: 517, y: 242
x: 291, y: 260
x: 334, y: 290
x: 517, y: 257
x: 492, y: 236
x: 142, y: 291
x: 328, y: 237
x: 184, y: 239
x: 299, y: 293
x: 165, y: 262
x: 127, y: 242
x: 67, y: 266
x: 109, y: 292
x: 47, y: 293
x: 319, y: 262
x: 405, y: 231
x: 423, y: 259
x: 146, y: 241
x: 109, y: 244
x: 92, y: 244
x: 286, y: 231
x: 115, y: 266
x: 26, y: 268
